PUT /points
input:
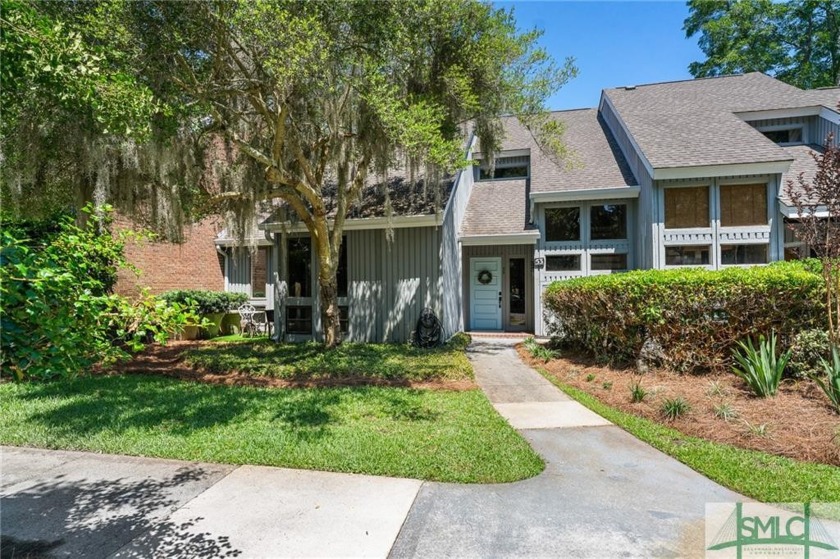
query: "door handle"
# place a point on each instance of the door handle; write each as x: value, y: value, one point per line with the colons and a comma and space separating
x: 500, y: 299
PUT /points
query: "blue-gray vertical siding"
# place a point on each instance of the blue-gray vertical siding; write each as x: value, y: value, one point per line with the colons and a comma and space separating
x: 452, y: 295
x: 647, y: 233
x: 391, y: 282
x: 822, y: 129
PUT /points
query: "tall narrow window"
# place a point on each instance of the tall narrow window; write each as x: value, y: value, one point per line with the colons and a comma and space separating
x: 300, y: 267
x: 687, y: 207
x: 743, y: 204
x: 259, y: 272
x: 341, y: 274
x: 562, y: 224
x: 608, y: 222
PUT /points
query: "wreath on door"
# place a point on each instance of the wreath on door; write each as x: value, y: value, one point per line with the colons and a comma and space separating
x: 485, y: 277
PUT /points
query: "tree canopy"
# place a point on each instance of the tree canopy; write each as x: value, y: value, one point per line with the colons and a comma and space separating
x: 242, y: 102
x: 798, y: 41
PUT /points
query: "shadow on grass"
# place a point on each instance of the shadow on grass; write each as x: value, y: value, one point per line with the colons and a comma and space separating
x: 398, y: 364
x: 96, y: 518
x: 143, y: 405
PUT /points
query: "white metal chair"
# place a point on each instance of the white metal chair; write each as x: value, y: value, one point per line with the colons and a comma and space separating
x: 247, y: 324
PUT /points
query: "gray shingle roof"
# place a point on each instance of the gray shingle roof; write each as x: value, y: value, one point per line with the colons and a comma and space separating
x: 498, y: 207
x: 595, y: 159
x: 803, y: 164
x: 694, y: 123
x: 827, y: 97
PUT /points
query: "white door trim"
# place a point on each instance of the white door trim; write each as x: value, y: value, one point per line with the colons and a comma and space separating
x: 485, y: 300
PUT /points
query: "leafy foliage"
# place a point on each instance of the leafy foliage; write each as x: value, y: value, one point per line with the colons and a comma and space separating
x: 762, y: 367
x: 808, y: 349
x: 798, y: 41
x: 637, y: 392
x: 831, y: 384
x: 58, y: 317
x: 205, y: 302
x: 817, y: 203
x: 725, y: 411
x: 674, y: 408
x: 539, y: 351
x: 687, y: 320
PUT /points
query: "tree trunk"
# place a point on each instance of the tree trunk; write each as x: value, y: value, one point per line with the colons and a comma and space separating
x: 329, y: 311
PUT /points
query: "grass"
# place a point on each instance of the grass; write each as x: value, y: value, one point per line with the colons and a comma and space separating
x: 761, y: 476
x: 388, y: 362
x: 436, y: 435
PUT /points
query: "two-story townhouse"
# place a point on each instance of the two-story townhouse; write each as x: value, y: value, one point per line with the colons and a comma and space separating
x: 688, y: 173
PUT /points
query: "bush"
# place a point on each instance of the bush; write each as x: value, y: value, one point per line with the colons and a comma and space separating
x: 206, y: 302
x: 687, y: 319
x: 57, y: 317
x: 808, y: 349
x: 761, y: 368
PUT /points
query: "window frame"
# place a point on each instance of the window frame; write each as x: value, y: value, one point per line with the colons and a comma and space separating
x: 710, y: 196
x: 505, y: 162
x: 802, y: 127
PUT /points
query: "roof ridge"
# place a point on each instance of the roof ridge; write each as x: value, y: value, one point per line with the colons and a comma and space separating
x: 687, y: 80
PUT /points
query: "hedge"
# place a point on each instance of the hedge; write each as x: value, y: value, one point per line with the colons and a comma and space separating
x: 207, y: 302
x: 686, y: 319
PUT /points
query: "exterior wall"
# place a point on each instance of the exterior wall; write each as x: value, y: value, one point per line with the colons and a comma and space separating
x: 584, y: 248
x: 390, y: 283
x: 452, y: 292
x: 821, y: 130
x: 504, y: 252
x: 193, y: 264
x: 645, y: 250
x: 716, y: 235
x: 237, y: 270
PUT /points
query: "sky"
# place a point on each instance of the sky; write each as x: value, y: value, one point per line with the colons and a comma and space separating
x: 613, y: 43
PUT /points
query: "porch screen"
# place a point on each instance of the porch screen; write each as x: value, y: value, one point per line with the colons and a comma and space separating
x: 300, y: 267
x: 743, y: 204
x: 687, y: 207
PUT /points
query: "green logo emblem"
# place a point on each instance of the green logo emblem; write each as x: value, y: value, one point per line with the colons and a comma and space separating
x: 772, y: 530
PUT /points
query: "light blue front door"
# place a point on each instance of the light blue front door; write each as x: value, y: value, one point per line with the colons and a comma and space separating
x: 486, y: 293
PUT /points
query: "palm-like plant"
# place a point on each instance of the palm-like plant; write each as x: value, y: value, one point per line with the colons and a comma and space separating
x: 831, y: 384
x: 761, y: 367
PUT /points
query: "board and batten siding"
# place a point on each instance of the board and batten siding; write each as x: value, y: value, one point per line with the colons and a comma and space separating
x: 391, y: 282
x: 822, y: 129
x: 452, y: 293
x: 238, y: 273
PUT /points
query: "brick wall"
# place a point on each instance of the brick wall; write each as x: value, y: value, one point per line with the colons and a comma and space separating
x: 194, y: 264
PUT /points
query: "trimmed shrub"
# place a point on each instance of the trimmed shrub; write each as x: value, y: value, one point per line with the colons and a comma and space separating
x: 687, y: 319
x: 809, y: 347
x: 206, y: 302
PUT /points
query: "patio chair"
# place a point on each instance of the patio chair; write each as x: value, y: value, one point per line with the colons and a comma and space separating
x: 246, y: 320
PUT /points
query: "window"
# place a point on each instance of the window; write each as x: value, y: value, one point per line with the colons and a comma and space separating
x: 614, y: 262
x: 563, y: 263
x: 505, y: 168
x: 743, y: 204
x: 785, y: 136
x: 608, y: 222
x: 259, y: 272
x: 687, y: 256
x: 687, y: 207
x: 300, y: 267
x: 743, y: 254
x: 562, y: 224
x: 518, y: 172
x: 341, y: 273
x: 299, y: 320
x: 794, y: 247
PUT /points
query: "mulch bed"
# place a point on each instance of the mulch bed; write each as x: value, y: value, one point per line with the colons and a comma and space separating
x: 798, y: 423
x: 168, y: 361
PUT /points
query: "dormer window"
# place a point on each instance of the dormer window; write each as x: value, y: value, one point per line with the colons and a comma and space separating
x: 507, y: 168
x: 784, y: 136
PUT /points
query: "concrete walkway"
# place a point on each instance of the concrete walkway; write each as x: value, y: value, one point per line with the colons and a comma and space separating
x: 603, y: 494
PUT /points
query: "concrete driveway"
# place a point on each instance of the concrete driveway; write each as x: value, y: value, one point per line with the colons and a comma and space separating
x: 603, y: 494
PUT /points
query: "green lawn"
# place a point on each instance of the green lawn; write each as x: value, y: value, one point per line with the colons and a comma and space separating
x: 764, y: 477
x: 382, y: 362
x: 426, y: 434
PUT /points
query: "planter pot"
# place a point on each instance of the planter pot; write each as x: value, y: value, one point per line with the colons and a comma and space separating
x: 212, y: 329
x: 190, y: 332
x: 230, y: 324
